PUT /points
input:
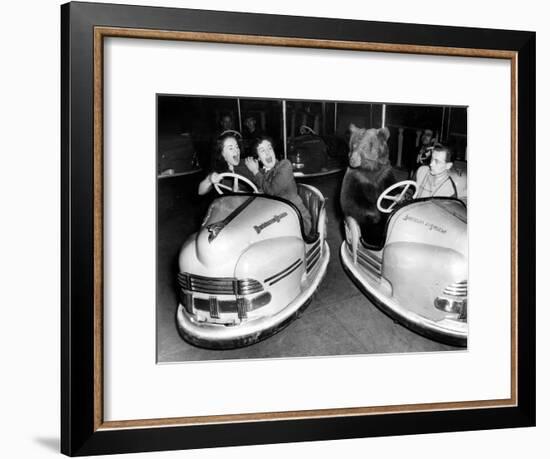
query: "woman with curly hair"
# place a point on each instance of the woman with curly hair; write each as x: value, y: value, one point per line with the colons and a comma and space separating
x: 227, y: 159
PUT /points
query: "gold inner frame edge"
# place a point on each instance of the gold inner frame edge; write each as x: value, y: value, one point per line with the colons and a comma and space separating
x: 102, y: 32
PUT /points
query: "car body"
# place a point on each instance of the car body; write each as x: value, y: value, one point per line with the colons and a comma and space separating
x: 250, y: 269
x: 419, y: 276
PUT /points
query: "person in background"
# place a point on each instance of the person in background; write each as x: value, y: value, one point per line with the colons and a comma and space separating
x: 226, y: 123
x: 227, y: 158
x: 251, y: 133
x: 423, y: 157
x: 434, y: 180
x: 251, y: 130
x: 276, y: 178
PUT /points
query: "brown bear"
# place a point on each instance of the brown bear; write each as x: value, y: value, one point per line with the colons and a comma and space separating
x: 369, y: 173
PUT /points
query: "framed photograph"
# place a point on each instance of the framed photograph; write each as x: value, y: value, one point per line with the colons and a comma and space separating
x: 280, y: 229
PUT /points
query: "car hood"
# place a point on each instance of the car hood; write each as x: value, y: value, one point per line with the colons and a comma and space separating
x: 231, y: 225
x: 437, y: 222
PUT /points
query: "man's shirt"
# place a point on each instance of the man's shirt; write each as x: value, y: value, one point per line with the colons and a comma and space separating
x: 431, y: 185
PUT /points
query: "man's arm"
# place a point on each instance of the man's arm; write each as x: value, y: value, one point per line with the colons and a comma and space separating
x: 282, y: 179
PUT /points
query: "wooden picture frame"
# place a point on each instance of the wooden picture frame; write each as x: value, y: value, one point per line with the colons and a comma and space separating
x: 84, y: 27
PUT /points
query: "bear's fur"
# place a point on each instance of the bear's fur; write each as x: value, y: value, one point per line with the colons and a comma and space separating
x: 369, y: 173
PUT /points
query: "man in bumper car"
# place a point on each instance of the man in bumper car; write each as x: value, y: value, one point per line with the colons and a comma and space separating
x: 435, y: 180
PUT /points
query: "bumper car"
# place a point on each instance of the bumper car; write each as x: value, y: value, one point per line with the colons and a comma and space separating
x: 419, y: 276
x: 177, y: 155
x: 312, y: 155
x: 250, y: 269
x: 308, y: 153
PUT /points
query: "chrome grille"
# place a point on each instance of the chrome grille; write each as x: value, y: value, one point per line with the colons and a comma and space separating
x: 183, y: 281
x: 214, y: 307
x: 231, y: 306
x: 313, y: 255
x: 248, y: 286
x: 218, y: 285
x: 369, y: 261
x: 242, y: 308
x: 457, y: 289
x: 313, y: 260
x: 313, y: 249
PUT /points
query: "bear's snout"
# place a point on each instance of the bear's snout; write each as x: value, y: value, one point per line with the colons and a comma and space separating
x: 354, y: 160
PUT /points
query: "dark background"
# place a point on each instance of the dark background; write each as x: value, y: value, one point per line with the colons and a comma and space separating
x: 199, y: 118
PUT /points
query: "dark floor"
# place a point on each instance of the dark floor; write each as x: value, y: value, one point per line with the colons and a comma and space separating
x: 339, y: 321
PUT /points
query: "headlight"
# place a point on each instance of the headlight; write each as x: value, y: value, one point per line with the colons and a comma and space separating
x: 454, y: 300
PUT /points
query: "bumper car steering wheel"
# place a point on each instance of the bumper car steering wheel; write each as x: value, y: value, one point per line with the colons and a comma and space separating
x: 219, y: 187
x: 397, y: 197
x: 305, y: 129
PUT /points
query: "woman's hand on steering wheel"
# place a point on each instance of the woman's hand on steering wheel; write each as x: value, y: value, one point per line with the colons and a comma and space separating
x: 214, y: 178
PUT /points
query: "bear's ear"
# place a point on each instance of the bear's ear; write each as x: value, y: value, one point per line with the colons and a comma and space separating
x: 353, y: 128
x: 384, y: 133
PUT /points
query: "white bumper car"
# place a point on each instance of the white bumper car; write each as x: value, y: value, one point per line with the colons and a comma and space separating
x: 419, y: 277
x: 250, y: 269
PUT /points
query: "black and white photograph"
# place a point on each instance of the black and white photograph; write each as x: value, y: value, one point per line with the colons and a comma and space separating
x: 274, y: 229
x: 306, y: 228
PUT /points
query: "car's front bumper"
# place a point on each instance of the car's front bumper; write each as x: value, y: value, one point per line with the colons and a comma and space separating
x: 449, y: 331
x: 219, y: 336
